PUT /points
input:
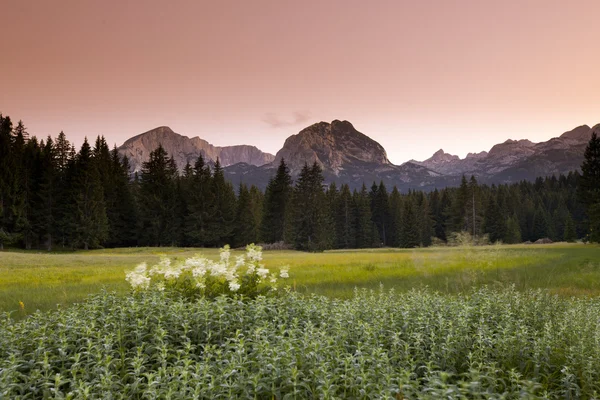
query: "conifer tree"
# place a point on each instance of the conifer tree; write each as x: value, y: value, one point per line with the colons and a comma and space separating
x: 89, y: 221
x: 345, y: 219
x: 245, y: 231
x: 156, y: 199
x: 409, y: 232
x: 222, y: 208
x: 569, y: 235
x: 277, y: 199
x: 395, y: 217
x: 196, y: 222
x: 366, y: 232
x: 513, y: 231
x: 45, y: 198
x: 589, y: 185
x: 309, y: 218
x: 380, y: 211
x: 494, y: 223
x: 458, y: 208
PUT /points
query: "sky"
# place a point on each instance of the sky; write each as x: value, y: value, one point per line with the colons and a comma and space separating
x: 416, y: 75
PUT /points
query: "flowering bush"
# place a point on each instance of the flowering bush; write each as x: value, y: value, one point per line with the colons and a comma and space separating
x: 200, y: 277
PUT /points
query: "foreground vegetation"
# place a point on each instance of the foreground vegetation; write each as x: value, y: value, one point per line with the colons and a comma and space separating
x: 41, y: 281
x: 484, y: 344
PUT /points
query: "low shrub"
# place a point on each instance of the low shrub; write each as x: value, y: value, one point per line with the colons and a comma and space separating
x: 486, y: 344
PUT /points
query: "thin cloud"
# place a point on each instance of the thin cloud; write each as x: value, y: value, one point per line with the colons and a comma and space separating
x: 276, y: 121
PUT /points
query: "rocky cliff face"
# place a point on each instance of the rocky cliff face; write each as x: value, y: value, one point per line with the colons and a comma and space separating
x: 334, y: 146
x: 184, y: 149
x: 515, y: 160
x: 348, y: 156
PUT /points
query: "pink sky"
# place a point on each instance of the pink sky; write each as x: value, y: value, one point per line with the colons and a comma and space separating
x: 414, y: 75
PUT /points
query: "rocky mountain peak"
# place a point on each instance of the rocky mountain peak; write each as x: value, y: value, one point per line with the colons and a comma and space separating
x: 184, y: 150
x: 580, y: 133
x: 334, y: 146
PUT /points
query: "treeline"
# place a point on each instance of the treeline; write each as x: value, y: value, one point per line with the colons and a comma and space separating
x: 51, y: 195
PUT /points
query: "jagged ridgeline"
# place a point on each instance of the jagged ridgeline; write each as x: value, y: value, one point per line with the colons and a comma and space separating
x: 330, y: 186
x: 348, y: 156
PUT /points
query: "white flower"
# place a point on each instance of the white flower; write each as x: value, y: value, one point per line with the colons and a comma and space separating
x: 198, y: 272
x: 138, y: 281
x: 273, y: 278
x: 251, y: 269
x: 141, y: 268
x: 262, y: 272
x: 254, y: 253
x: 239, y: 261
x: 201, y: 285
x: 234, y: 286
x: 225, y: 254
x: 160, y: 286
x: 172, y: 273
x: 284, y: 273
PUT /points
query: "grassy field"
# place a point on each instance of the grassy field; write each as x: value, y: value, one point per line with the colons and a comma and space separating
x: 43, y: 281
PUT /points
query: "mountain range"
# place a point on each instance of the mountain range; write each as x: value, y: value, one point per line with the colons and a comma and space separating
x: 349, y: 156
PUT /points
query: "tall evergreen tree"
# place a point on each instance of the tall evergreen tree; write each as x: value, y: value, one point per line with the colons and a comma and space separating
x: 309, y: 218
x: 589, y: 185
x: 156, y: 200
x: 198, y: 194
x: 569, y: 235
x: 380, y: 211
x: 513, y: 231
x: 409, y: 235
x: 245, y: 231
x: 345, y: 219
x: 366, y: 231
x: 277, y: 199
x: 222, y: 208
x: 89, y: 221
x: 494, y: 223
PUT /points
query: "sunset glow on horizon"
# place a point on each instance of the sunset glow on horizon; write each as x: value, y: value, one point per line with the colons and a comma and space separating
x: 416, y: 76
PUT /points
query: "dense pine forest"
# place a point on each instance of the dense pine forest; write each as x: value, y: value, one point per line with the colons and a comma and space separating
x: 52, y: 196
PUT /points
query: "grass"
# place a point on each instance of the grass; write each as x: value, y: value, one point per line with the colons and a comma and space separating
x: 44, y: 280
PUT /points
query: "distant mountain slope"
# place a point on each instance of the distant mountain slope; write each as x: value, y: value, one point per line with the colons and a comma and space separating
x: 184, y: 149
x: 349, y: 156
x: 345, y: 155
x: 517, y: 160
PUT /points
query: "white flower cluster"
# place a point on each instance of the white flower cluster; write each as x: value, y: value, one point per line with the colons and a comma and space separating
x: 199, y: 269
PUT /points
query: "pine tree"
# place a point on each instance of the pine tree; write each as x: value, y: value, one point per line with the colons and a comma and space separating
x: 345, y: 219
x: 124, y: 215
x: 589, y: 185
x: 245, y: 231
x: 380, y: 211
x: 458, y: 208
x: 569, y: 235
x: 309, y: 217
x: 89, y: 221
x: 277, y: 199
x: 425, y: 221
x: 473, y: 209
x: 540, y: 224
x: 45, y: 202
x: 366, y: 232
x: 395, y: 219
x: 409, y: 232
x: 198, y: 196
x: 222, y: 208
x: 156, y: 199
x: 513, y: 231
x: 494, y: 222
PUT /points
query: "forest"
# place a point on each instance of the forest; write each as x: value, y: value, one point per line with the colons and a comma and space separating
x: 53, y: 196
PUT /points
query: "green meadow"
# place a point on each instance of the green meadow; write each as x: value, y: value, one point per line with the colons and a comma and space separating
x: 46, y: 281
